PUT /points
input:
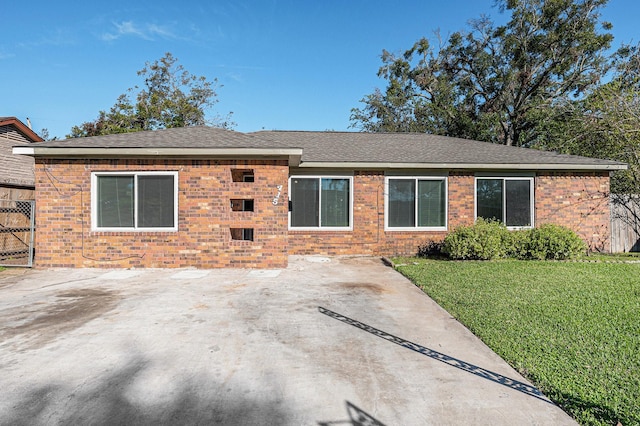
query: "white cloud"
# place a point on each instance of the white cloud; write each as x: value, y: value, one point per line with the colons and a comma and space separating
x: 236, y: 77
x: 158, y: 30
x: 143, y: 31
x: 57, y: 37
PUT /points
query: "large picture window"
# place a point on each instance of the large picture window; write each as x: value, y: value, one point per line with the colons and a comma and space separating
x: 509, y: 200
x: 416, y: 203
x: 135, y: 201
x: 320, y: 202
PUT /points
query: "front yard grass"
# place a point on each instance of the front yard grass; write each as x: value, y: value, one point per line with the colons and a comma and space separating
x: 573, y: 329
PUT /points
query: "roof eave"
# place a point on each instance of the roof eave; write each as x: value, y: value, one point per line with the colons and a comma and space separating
x: 473, y: 166
x: 36, y: 151
x: 294, y: 155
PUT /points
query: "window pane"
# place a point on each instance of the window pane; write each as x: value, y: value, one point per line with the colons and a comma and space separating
x: 518, y: 202
x: 402, y: 203
x: 305, y: 197
x: 489, y: 199
x: 431, y: 203
x: 335, y: 202
x: 115, y: 201
x: 155, y: 201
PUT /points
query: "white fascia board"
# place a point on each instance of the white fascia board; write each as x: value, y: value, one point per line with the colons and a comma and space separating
x: 454, y: 166
x: 155, y: 152
x: 23, y: 150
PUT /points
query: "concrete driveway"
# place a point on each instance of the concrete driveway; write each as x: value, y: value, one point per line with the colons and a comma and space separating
x: 339, y: 341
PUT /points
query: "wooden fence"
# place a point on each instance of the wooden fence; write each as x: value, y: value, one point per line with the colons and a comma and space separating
x: 625, y: 223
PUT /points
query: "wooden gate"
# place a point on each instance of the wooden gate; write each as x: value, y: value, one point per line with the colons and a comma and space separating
x: 17, y: 223
x: 625, y: 223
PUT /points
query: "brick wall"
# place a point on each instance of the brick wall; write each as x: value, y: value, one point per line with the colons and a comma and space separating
x: 368, y: 235
x: 579, y: 201
x: 205, y: 219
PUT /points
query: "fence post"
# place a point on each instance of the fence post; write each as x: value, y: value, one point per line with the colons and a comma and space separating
x: 32, y: 215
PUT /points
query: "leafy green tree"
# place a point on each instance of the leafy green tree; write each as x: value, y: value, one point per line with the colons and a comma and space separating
x: 171, y: 97
x: 605, y: 123
x: 492, y: 83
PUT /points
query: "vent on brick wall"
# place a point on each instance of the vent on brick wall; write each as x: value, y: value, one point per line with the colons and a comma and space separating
x: 239, y: 205
x: 242, y: 234
x: 242, y: 175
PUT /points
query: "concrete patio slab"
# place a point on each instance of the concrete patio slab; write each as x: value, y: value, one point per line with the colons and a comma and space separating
x: 186, y: 274
x: 266, y: 273
x: 342, y: 341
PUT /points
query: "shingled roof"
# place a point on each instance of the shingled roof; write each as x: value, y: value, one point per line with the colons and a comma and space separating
x: 324, y: 149
x: 421, y: 150
x: 180, y: 137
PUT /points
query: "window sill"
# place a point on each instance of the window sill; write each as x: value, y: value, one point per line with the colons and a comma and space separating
x: 422, y: 229
x: 325, y: 229
x: 134, y: 230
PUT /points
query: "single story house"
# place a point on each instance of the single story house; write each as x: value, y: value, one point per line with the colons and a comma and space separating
x: 208, y: 197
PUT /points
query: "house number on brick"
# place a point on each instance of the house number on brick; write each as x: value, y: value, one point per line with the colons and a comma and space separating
x: 276, y: 199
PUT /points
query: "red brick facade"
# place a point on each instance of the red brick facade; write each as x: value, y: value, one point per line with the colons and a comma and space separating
x: 369, y: 235
x: 579, y: 201
x: 206, y: 220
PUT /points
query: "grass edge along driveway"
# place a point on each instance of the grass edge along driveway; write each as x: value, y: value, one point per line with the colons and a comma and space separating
x: 573, y: 329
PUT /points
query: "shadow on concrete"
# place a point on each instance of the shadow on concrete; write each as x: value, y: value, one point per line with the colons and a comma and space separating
x: 109, y: 403
x: 357, y: 417
x: 439, y: 356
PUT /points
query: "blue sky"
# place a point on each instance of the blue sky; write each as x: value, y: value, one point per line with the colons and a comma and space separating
x: 283, y: 64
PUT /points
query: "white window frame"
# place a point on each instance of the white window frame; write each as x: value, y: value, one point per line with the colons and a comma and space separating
x: 135, y: 228
x: 504, y: 204
x: 416, y: 228
x: 320, y: 227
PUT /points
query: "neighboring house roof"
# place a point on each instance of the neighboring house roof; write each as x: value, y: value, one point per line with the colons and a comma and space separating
x: 16, y: 170
x: 25, y: 133
x: 323, y: 149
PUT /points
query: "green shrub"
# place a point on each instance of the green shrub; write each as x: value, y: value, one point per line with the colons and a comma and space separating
x: 430, y: 249
x: 555, y: 242
x: 485, y: 240
x: 519, y: 244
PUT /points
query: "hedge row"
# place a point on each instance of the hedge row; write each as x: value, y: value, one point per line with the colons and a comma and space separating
x: 487, y: 240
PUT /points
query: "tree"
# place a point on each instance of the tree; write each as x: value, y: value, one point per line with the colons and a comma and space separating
x: 171, y: 97
x: 493, y: 83
x: 45, y: 135
x: 605, y: 123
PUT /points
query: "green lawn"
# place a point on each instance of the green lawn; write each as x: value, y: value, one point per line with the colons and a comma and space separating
x: 616, y: 257
x: 573, y: 329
